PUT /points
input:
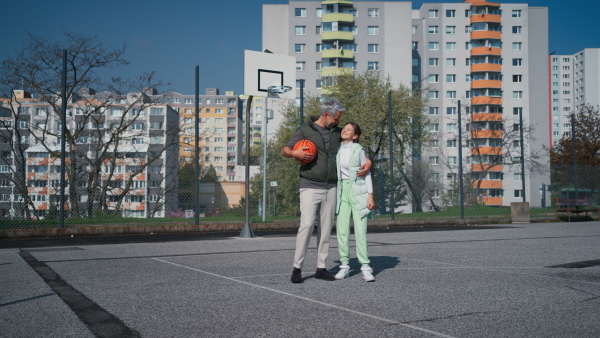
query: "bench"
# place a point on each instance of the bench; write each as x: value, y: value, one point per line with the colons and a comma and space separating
x: 574, y: 206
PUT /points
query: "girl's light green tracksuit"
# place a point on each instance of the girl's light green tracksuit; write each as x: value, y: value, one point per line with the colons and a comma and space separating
x: 352, y: 197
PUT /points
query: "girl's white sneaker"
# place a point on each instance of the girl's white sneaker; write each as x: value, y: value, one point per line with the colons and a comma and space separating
x: 344, y: 272
x: 367, y: 273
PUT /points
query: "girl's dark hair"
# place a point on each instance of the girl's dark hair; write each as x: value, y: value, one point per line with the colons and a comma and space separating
x: 357, y: 130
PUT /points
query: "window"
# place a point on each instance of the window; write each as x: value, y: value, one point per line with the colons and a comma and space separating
x: 433, y: 61
x: 299, y: 83
x: 450, y: 77
x: 415, y: 45
x: 450, y: 13
x: 518, y: 193
x: 318, y: 65
x: 300, y: 30
x: 188, y: 101
x: 434, y: 94
x: 516, y: 143
x: 451, y: 127
x: 516, y: 13
x: 450, y: 29
x: 414, y: 29
x: 373, y: 12
x: 450, y: 110
x: 319, y: 12
x: 300, y: 48
x: 516, y: 29
x: 156, y: 139
x: 319, y: 83
x: 517, y: 62
x: 373, y: 30
x: 433, y: 78
x: 434, y: 45
x: 300, y: 65
x: 300, y: 12
x: 116, y: 112
x: 517, y: 177
x: 415, y: 62
x: 517, y: 94
x: 415, y: 78
x: 434, y: 177
x: 450, y: 45
x: 451, y: 94
x: 433, y: 110
x: 373, y: 48
x: 433, y: 13
x: 318, y: 30
x: 467, y: 77
x: 517, y: 110
x: 156, y: 111
x: 517, y: 78
x: 433, y: 30
x: 137, y: 126
x: 452, y: 160
x: 319, y: 47
x: 517, y: 45
x: 218, y: 101
x: 219, y: 111
x: 373, y: 65
x: 41, y: 112
x: 468, y: 29
x: 434, y: 160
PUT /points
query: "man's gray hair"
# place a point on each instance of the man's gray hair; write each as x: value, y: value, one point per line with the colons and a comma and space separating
x: 332, y: 106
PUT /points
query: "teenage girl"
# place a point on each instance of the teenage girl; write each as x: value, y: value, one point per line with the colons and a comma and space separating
x: 354, y: 198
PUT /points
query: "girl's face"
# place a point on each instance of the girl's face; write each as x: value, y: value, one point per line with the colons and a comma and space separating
x: 348, y: 133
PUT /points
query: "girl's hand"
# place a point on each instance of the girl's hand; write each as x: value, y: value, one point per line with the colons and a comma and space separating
x: 370, y: 202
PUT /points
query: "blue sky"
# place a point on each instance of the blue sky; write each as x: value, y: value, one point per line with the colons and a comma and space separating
x: 173, y: 37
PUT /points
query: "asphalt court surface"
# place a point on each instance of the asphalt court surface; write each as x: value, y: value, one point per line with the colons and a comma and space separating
x: 515, y: 280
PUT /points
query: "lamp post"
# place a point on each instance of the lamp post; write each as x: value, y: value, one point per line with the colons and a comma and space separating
x: 272, y: 91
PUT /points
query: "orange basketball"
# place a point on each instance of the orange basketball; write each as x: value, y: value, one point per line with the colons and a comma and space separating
x: 311, y: 149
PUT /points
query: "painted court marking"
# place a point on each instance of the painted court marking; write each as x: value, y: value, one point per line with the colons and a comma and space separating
x: 309, y: 300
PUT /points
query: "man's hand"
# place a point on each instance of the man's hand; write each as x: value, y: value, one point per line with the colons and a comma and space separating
x: 300, y: 154
x: 365, y: 168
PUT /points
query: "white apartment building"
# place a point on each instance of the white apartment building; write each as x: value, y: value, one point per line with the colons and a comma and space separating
x: 123, y: 156
x: 490, y: 56
x: 575, y: 81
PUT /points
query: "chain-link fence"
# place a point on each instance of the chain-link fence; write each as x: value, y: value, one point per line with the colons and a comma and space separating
x: 133, y: 187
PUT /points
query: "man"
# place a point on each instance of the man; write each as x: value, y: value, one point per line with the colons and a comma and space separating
x: 318, y: 180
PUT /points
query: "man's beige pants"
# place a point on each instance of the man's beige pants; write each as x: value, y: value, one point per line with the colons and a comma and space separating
x: 310, y: 200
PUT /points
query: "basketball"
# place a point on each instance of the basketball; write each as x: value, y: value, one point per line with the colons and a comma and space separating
x: 311, y: 149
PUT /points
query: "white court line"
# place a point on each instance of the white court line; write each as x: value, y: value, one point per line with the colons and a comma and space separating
x: 310, y: 300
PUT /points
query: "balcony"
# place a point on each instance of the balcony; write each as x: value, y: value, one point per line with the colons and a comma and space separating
x: 485, y: 4
x: 337, y: 53
x: 486, y: 151
x: 486, y: 117
x: 337, y: 35
x: 486, y: 51
x: 479, y: 100
x: 340, y: 17
x: 496, y: 184
x: 486, y: 67
x: 486, y: 167
x: 334, y: 71
x: 490, y: 200
x: 485, y: 133
x: 343, y: 2
x: 486, y: 84
x: 486, y: 18
x: 480, y: 35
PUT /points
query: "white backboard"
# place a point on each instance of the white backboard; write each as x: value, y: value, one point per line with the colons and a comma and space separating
x: 262, y: 70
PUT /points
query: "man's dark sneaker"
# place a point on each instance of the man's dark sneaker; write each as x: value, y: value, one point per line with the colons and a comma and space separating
x: 296, y: 276
x: 324, y: 275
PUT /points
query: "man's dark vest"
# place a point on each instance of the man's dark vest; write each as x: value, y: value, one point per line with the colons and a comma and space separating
x: 323, y: 168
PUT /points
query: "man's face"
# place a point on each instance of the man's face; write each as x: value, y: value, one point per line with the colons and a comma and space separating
x: 332, y: 120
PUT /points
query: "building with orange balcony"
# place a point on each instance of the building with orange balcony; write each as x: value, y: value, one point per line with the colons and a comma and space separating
x: 490, y: 56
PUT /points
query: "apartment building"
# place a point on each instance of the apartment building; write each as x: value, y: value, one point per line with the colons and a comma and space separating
x: 122, y: 158
x: 490, y: 56
x: 575, y: 81
x: 220, y: 130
